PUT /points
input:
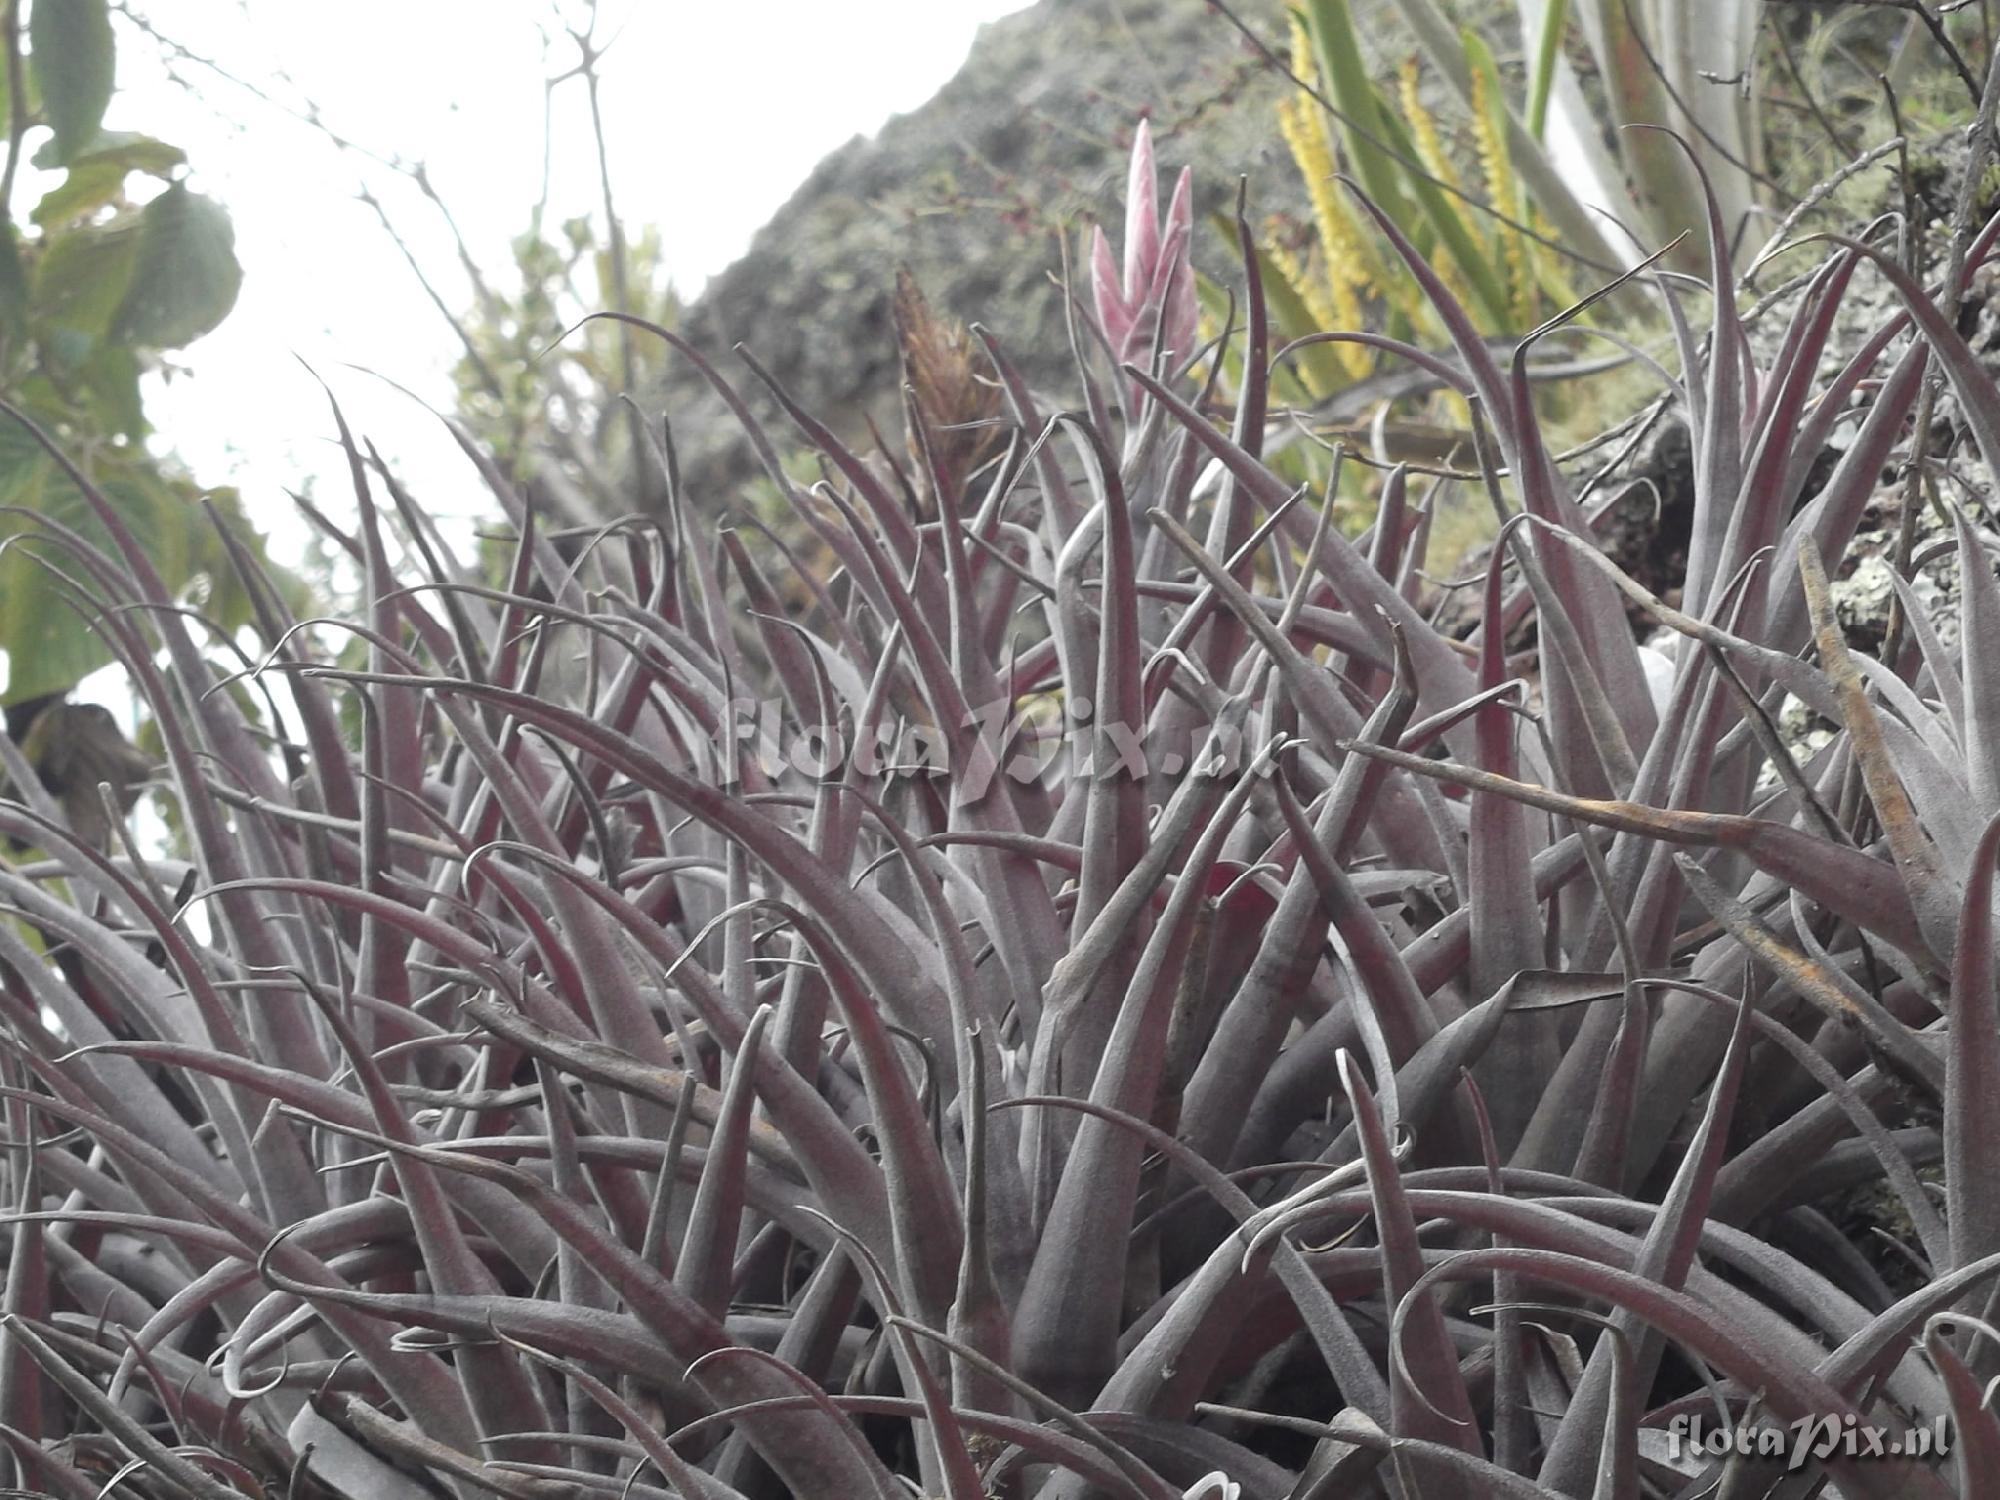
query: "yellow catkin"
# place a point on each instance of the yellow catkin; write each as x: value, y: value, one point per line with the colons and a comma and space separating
x: 1329, y: 302
x: 1347, y: 263
x: 1303, y: 65
x: 1550, y: 273
x: 1347, y: 316
x: 1303, y: 124
x: 1423, y: 125
x: 1503, y: 192
x: 1312, y: 290
x: 1305, y: 135
x: 1434, y: 159
x: 1455, y: 281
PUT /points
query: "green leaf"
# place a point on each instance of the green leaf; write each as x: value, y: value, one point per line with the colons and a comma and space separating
x: 225, y: 600
x: 81, y: 281
x: 122, y: 148
x: 40, y: 646
x: 1344, y: 73
x: 13, y: 283
x: 22, y: 462
x: 49, y: 649
x: 1458, y: 237
x: 97, y: 174
x: 68, y: 347
x: 49, y: 646
x: 1548, y: 51
x: 75, y: 62
x: 109, y: 380
x: 185, y: 276
x: 161, y: 512
x: 1554, y: 193
x: 88, y: 187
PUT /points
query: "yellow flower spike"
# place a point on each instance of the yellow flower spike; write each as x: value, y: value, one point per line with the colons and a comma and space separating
x: 1348, y: 251
x: 1423, y: 124
x: 1550, y: 273
x: 1312, y: 290
x: 1303, y: 66
x: 1503, y: 192
x: 1352, y: 265
x: 1347, y: 315
x: 1347, y: 258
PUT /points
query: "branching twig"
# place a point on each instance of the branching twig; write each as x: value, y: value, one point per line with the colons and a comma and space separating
x: 1896, y: 145
x: 564, y: 437
x: 1931, y: 21
x: 488, y: 377
x: 1979, y: 151
x: 589, y: 54
x: 1813, y: 106
x: 1688, y: 112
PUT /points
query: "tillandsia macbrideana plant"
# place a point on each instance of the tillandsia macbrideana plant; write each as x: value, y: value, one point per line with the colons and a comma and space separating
x: 1109, y: 1000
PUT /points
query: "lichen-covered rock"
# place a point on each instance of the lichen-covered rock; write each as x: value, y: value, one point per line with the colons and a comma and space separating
x: 1862, y: 594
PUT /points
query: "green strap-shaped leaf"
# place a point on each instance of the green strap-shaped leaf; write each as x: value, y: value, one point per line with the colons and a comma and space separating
x: 1457, y: 236
x: 1344, y: 72
x: 75, y: 61
x: 1320, y: 363
x: 1548, y: 52
x: 1575, y: 223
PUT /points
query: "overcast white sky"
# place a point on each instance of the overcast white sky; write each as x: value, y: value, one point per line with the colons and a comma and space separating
x: 715, y: 112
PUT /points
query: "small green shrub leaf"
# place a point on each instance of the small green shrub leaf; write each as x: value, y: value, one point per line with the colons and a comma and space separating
x: 80, y: 281
x: 13, y: 283
x: 75, y: 61
x: 185, y: 274
x: 117, y: 148
x: 88, y: 187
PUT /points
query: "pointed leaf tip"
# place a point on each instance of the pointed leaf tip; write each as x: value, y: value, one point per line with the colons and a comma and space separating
x: 1142, y: 213
x: 1114, y: 316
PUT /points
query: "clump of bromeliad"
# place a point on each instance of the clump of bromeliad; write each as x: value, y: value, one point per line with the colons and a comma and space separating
x: 1109, y: 1001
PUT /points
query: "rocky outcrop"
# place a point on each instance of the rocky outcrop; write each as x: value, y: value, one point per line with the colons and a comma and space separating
x: 973, y: 192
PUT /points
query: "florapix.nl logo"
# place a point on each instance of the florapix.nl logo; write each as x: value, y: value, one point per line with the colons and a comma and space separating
x: 1808, y: 1440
